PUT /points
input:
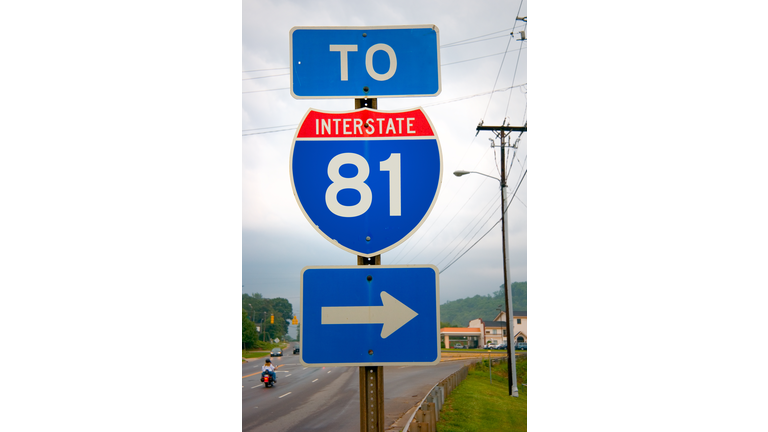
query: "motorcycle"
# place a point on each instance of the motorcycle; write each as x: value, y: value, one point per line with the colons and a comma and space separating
x: 267, y: 379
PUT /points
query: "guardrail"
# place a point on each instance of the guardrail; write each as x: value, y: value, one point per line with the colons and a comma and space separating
x: 426, y: 416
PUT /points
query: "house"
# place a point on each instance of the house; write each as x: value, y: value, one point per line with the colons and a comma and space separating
x: 496, y: 331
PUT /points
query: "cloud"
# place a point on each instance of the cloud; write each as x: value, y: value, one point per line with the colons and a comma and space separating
x: 278, y: 241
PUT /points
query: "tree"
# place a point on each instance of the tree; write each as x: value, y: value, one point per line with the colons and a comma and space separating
x: 282, y: 306
x: 462, y: 311
x: 261, y: 310
x: 249, y: 332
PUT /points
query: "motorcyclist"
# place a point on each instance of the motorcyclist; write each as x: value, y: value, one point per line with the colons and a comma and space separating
x: 269, y: 369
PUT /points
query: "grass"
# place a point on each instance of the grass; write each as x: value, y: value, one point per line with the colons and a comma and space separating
x: 264, y: 350
x: 481, y: 350
x: 479, y: 405
x: 255, y: 354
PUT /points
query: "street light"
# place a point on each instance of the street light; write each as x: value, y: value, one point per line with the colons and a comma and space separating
x: 263, y: 324
x: 511, y: 364
x: 253, y: 317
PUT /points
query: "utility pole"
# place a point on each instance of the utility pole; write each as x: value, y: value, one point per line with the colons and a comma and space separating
x: 511, y: 363
x: 263, y: 323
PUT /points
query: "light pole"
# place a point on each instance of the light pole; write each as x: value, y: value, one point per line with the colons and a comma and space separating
x: 511, y: 364
x: 253, y: 317
x: 264, y: 323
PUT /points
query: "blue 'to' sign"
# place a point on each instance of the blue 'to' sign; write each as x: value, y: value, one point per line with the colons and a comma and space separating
x: 365, y: 179
x: 344, y: 62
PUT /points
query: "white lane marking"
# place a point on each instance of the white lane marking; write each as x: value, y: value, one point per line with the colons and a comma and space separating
x: 284, y: 395
x: 254, y: 407
x: 316, y: 380
x: 288, y: 375
x: 254, y: 387
x: 329, y: 371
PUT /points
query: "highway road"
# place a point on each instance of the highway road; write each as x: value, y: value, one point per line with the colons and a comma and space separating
x: 326, y: 398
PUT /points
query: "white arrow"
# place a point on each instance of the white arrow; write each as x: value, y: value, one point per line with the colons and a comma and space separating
x: 393, y: 314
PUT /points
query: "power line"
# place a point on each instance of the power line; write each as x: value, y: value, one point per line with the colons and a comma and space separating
x: 478, y: 58
x: 270, y: 127
x: 423, y: 233
x: 258, y: 91
x: 425, y: 105
x: 472, y: 96
x: 263, y: 70
x: 279, y: 130
x: 494, y: 225
x: 446, y: 226
x: 515, y: 193
x: 470, y: 248
x: 515, y: 74
x: 471, y: 42
x: 498, y: 74
x: 489, y: 206
x: 448, y: 45
x: 266, y: 76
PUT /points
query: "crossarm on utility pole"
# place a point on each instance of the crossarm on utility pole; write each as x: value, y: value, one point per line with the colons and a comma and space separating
x: 504, y: 128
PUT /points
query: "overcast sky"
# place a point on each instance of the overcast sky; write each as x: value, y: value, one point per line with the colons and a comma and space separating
x: 481, y: 51
x: 126, y: 219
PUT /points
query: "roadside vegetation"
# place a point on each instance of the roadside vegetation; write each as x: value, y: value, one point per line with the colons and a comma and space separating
x: 478, y: 404
x: 458, y: 313
x: 483, y: 350
x: 262, y: 349
x: 271, y: 316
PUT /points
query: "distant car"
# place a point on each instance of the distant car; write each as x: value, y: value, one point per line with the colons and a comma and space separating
x: 521, y: 346
x: 458, y: 346
x: 501, y: 346
x: 296, y: 350
x: 276, y: 352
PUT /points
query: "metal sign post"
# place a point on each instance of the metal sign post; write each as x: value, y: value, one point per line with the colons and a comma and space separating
x: 371, y: 377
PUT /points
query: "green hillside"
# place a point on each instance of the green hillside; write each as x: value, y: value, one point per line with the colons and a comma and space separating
x: 459, y: 313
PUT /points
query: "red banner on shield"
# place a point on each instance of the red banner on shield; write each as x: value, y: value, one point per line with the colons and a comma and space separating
x: 366, y: 123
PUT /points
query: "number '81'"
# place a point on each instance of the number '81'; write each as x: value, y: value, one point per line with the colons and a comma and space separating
x: 339, y: 183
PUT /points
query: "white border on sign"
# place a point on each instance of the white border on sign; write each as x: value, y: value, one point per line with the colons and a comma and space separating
x: 431, y: 205
x: 396, y: 27
x: 437, y: 314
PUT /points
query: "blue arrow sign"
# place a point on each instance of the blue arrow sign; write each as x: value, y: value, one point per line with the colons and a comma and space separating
x: 366, y: 180
x: 344, y: 62
x: 349, y: 320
